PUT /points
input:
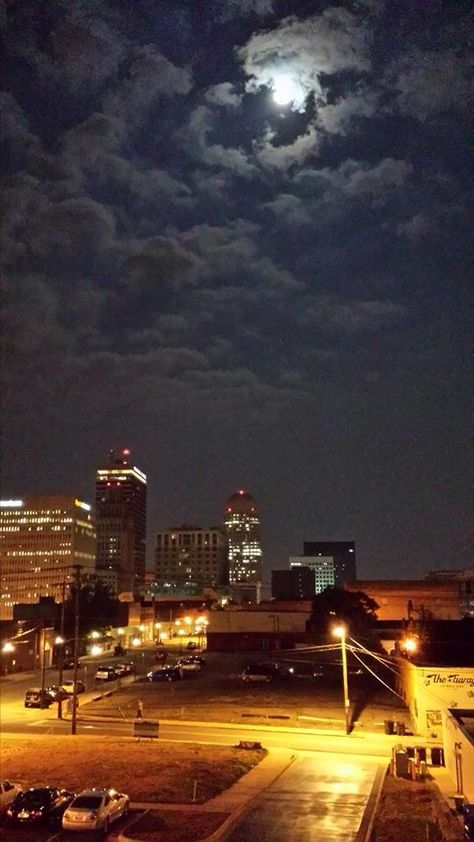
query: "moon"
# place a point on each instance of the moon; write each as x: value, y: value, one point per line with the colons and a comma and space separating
x: 285, y: 90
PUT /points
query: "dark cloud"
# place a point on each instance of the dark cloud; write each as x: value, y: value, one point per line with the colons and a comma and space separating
x: 219, y: 278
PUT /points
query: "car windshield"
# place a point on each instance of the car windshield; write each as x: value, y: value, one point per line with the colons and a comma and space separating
x: 38, y: 796
x: 87, y: 802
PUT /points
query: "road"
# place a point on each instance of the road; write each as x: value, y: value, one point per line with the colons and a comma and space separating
x: 319, y: 797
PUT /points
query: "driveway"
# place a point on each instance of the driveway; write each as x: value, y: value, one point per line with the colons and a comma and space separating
x: 319, y: 797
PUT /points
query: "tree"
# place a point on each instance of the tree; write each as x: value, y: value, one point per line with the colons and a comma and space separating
x: 354, y: 608
x: 97, y: 608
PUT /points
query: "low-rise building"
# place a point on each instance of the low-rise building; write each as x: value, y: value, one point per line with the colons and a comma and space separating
x: 246, y: 630
x: 412, y: 599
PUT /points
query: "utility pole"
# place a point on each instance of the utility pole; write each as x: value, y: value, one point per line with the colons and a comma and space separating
x: 340, y: 631
x: 61, y: 650
x: 43, y: 659
x: 77, y: 574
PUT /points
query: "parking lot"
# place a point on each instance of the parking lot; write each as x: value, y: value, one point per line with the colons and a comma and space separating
x: 51, y: 833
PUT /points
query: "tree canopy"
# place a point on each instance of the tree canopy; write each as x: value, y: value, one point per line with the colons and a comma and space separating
x: 97, y: 608
x: 354, y: 608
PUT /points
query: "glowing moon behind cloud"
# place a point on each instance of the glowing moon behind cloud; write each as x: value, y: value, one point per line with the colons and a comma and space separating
x: 285, y: 90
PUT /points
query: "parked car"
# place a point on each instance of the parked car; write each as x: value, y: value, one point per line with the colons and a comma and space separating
x: 39, y: 804
x: 161, y: 656
x: 333, y: 670
x: 57, y: 692
x: 8, y: 793
x: 106, y: 673
x: 95, y: 809
x: 38, y: 698
x: 198, y: 659
x: 69, y: 687
x: 127, y: 668
x: 165, y: 674
x: 267, y: 672
x: 256, y: 673
x: 189, y: 665
x: 191, y: 645
x: 68, y: 664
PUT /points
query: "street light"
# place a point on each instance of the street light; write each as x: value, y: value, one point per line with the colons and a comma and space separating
x: 340, y: 631
x: 8, y: 647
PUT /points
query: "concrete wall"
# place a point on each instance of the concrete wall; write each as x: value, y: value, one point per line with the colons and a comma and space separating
x: 428, y: 691
x: 439, y: 600
x: 238, y: 622
x: 459, y: 751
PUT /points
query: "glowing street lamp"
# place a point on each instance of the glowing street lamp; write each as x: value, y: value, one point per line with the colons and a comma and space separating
x: 163, y: 636
x: 188, y: 621
x: 141, y: 627
x: 95, y: 635
x: 136, y: 641
x: 120, y: 632
x: 96, y: 649
x: 59, y: 640
x: 157, y: 625
x: 8, y: 647
x: 341, y: 631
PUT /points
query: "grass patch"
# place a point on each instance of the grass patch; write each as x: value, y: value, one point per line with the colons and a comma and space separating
x: 410, y: 811
x: 170, y: 826
x: 151, y: 771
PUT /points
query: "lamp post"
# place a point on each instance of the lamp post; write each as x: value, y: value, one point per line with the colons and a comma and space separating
x: 340, y: 631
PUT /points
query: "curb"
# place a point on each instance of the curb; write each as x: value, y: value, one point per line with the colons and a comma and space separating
x: 364, y: 833
x: 223, y: 831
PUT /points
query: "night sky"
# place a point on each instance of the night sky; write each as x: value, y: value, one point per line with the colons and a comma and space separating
x: 246, y: 293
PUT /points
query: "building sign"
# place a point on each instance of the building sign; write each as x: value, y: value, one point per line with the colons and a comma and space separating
x: 451, y: 679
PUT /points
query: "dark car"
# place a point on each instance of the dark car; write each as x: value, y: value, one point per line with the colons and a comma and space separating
x: 165, y: 674
x: 333, y: 670
x: 469, y: 823
x: 191, y: 645
x: 161, y: 656
x: 197, y: 659
x: 57, y: 692
x: 38, y: 698
x: 68, y: 664
x: 266, y: 672
x: 119, y: 650
x: 39, y: 804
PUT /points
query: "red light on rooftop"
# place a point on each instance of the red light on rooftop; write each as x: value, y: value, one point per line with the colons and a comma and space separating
x: 126, y: 451
x: 241, y: 491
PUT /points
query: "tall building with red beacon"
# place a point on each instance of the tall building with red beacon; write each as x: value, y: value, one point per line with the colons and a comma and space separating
x: 242, y: 527
x: 120, y: 499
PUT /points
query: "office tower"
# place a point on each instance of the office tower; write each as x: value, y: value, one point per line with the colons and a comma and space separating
x: 242, y: 529
x: 120, y: 499
x: 41, y: 538
x: 343, y: 556
x: 189, y: 556
x: 296, y: 583
x: 322, y: 570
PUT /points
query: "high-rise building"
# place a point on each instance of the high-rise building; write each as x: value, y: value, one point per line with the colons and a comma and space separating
x: 296, y: 583
x: 322, y: 568
x: 242, y: 529
x: 41, y: 538
x: 188, y: 556
x: 120, y: 499
x: 342, y: 553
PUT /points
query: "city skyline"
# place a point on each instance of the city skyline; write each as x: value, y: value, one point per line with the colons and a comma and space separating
x: 237, y: 238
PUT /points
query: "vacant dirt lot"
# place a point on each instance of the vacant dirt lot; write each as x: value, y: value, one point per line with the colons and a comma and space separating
x: 147, y: 771
x: 219, y: 693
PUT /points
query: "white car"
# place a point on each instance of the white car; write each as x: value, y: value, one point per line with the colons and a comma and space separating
x: 188, y: 665
x: 95, y: 809
x: 8, y: 793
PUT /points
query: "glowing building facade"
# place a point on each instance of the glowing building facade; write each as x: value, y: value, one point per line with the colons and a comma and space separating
x: 41, y: 537
x: 120, y: 498
x: 242, y: 529
x: 190, y: 555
